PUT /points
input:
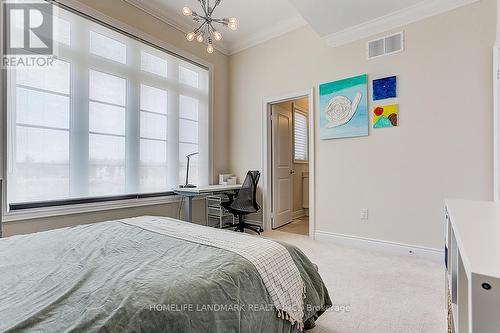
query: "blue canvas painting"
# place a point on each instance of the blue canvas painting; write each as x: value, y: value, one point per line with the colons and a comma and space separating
x: 385, y: 88
x: 344, y: 108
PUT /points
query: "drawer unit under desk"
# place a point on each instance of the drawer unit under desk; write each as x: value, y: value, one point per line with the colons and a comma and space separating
x: 215, y: 212
x: 215, y: 200
x: 219, y: 222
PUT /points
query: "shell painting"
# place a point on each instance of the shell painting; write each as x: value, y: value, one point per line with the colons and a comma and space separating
x: 340, y: 110
x: 344, y: 108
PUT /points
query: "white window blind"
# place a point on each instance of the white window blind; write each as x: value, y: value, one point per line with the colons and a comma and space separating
x: 113, y: 116
x: 300, y: 136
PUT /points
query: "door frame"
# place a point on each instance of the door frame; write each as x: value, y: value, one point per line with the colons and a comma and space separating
x: 267, y: 157
x: 496, y: 121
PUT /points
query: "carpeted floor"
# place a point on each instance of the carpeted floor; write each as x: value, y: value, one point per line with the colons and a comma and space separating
x: 380, y: 293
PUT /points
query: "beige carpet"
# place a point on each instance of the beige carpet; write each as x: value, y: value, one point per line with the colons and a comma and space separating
x: 384, y: 293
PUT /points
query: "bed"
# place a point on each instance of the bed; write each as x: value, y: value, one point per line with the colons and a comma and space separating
x: 152, y: 274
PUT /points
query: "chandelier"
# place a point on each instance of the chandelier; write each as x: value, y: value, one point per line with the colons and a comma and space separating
x: 206, y: 30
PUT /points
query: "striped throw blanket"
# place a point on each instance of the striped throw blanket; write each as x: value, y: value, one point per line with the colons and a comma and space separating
x: 279, y: 273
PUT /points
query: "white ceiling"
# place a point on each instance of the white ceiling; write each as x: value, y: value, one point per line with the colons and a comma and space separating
x: 327, y: 17
x: 338, y: 21
x: 258, y: 20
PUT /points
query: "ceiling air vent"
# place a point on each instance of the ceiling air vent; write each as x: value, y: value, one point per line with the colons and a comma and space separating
x: 386, y: 45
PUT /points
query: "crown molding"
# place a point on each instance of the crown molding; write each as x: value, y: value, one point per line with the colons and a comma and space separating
x: 256, y: 38
x: 172, y: 20
x: 263, y: 35
x: 417, y: 12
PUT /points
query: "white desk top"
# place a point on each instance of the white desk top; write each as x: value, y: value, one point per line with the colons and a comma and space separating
x: 477, y: 230
x: 208, y: 189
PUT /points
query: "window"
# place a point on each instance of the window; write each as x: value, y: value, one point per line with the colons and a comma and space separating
x: 113, y: 117
x: 300, y: 135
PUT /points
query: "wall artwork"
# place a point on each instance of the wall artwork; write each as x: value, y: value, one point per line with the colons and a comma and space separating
x: 386, y: 116
x: 385, y: 88
x: 344, y: 108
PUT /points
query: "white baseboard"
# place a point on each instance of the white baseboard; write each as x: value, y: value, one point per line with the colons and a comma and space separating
x: 298, y: 214
x: 382, y: 246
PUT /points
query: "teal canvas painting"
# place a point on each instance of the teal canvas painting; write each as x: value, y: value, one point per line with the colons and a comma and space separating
x: 344, y: 108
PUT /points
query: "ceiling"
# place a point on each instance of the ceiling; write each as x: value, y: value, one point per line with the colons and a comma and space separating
x: 327, y: 17
x: 258, y: 20
x: 338, y: 21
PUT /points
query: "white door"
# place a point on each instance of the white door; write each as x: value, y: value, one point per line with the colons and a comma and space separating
x: 282, y: 196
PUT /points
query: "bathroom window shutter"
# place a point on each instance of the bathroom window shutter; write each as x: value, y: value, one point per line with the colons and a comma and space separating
x: 300, y: 135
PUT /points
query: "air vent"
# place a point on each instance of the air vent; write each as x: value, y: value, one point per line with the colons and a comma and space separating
x: 386, y: 45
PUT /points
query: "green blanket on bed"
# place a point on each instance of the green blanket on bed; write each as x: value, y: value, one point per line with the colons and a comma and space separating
x: 113, y: 277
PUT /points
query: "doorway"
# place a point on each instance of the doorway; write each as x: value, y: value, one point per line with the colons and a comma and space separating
x: 289, y: 164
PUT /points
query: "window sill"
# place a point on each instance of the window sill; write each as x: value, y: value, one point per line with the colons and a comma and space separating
x: 28, y: 214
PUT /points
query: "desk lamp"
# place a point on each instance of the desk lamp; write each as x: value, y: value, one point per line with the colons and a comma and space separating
x: 187, y: 185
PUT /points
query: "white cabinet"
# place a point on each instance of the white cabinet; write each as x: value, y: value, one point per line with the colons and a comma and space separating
x: 473, y: 265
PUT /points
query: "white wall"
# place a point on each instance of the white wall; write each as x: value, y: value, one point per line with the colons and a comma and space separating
x: 136, y: 18
x: 443, y: 147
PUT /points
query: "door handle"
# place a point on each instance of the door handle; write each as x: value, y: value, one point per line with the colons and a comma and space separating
x: 292, y: 172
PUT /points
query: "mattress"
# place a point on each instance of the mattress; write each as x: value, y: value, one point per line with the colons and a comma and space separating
x: 116, y: 277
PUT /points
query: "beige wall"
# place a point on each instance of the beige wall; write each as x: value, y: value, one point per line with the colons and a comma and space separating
x: 498, y: 22
x: 443, y: 147
x: 299, y: 168
x: 132, y: 16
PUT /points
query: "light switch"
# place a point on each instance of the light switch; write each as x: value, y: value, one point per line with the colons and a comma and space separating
x: 364, y: 214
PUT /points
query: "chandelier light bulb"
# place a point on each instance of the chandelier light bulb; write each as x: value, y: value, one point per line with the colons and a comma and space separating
x: 208, y: 25
x: 233, y: 23
x: 217, y: 35
x: 233, y: 26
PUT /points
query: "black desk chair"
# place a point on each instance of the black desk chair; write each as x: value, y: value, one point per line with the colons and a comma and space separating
x: 245, y: 203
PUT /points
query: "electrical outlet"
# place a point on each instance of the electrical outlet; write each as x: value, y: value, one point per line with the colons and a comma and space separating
x: 363, y: 214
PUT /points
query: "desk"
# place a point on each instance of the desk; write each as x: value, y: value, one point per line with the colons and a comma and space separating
x: 190, y: 193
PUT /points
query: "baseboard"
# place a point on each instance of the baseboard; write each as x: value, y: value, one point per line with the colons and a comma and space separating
x: 298, y: 214
x: 382, y: 246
